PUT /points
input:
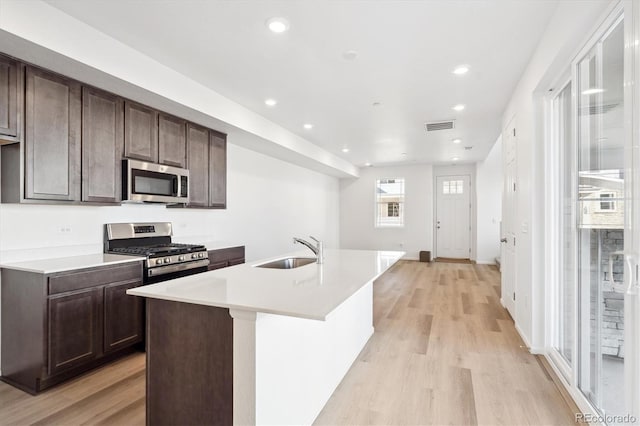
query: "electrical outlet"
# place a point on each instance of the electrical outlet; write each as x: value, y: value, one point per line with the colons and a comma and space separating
x: 65, y: 229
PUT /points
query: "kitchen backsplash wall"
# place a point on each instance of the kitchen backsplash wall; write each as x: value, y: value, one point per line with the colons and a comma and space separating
x: 269, y: 201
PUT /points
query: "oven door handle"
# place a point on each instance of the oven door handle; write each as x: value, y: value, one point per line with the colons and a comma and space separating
x: 161, y: 270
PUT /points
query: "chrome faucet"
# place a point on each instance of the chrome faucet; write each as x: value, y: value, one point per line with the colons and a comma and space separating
x: 317, y: 249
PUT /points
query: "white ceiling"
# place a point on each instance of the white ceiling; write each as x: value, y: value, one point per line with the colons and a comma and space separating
x: 406, y: 52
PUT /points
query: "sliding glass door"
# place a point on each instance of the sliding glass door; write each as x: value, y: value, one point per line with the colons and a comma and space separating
x: 593, y: 223
x: 563, y: 298
x: 601, y: 220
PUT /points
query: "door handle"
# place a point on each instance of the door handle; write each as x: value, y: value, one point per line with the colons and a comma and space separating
x: 631, y: 260
x: 503, y: 240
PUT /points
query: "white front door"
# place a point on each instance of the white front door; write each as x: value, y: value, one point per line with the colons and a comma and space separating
x: 508, y: 257
x: 453, y: 209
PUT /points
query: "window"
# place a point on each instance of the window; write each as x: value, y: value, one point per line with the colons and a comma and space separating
x: 607, y: 203
x: 389, y: 202
x: 393, y: 209
x: 452, y: 187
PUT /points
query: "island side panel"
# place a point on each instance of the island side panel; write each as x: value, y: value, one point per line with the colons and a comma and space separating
x: 189, y: 364
x: 300, y: 362
x: 23, y: 306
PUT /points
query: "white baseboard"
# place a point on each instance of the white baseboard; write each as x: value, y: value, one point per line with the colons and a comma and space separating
x: 522, y: 335
x: 485, y: 262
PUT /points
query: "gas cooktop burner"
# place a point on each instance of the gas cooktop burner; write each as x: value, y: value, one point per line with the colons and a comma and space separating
x: 159, y: 250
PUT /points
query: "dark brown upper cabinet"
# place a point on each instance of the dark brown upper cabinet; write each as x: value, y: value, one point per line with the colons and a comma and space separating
x: 102, y: 146
x: 140, y: 132
x: 11, y: 101
x: 52, y: 136
x: 218, y: 170
x: 172, y: 141
x: 198, y: 164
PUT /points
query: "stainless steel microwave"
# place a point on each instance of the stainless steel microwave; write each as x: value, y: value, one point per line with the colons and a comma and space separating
x: 154, y: 183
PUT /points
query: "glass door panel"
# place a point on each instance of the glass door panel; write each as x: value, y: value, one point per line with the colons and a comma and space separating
x: 564, y: 290
x: 601, y: 221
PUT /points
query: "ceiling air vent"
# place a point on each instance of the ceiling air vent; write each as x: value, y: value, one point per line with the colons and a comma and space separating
x: 440, y: 125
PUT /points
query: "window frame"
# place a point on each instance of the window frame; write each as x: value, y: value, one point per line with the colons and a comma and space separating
x: 400, y: 203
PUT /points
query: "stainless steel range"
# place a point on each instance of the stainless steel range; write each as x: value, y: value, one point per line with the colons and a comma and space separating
x: 165, y: 259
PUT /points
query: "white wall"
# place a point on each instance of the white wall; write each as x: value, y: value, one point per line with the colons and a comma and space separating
x: 269, y: 202
x: 567, y: 31
x: 357, y: 214
x: 489, y: 205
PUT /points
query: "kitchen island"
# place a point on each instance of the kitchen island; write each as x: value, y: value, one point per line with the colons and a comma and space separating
x: 251, y: 345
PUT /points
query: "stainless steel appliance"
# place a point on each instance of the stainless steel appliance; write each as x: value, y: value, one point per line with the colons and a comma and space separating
x: 165, y: 259
x: 154, y: 183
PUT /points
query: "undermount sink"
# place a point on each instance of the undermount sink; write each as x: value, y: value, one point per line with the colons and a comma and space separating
x: 287, y: 263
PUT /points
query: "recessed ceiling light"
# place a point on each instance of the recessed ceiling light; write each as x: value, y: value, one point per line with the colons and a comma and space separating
x: 277, y: 24
x: 404, y: 154
x: 376, y: 104
x: 270, y: 102
x: 368, y: 164
x: 592, y: 91
x: 308, y: 126
x: 455, y: 159
x: 456, y: 140
x: 461, y: 70
x: 345, y: 150
x: 458, y: 107
x: 350, y: 55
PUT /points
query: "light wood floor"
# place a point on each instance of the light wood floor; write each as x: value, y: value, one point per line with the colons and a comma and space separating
x: 444, y: 352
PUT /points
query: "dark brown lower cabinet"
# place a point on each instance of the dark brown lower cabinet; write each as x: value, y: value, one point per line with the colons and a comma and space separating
x: 56, y: 326
x: 222, y: 258
x: 75, y: 328
x: 123, y: 316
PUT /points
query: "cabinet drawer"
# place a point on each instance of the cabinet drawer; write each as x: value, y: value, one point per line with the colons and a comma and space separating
x: 227, y: 254
x: 217, y: 265
x: 95, y: 277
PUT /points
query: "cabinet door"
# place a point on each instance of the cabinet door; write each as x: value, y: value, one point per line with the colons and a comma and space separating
x: 172, y: 143
x: 198, y: 164
x: 52, y: 137
x: 102, y: 146
x: 218, y: 170
x: 141, y: 132
x: 123, y: 321
x: 10, y: 97
x: 75, y: 329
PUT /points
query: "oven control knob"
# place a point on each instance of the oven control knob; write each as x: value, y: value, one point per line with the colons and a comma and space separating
x: 194, y: 256
x: 201, y: 255
x: 167, y: 260
x: 180, y: 258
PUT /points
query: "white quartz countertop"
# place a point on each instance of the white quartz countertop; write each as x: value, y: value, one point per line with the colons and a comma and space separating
x: 312, y: 291
x: 70, y: 263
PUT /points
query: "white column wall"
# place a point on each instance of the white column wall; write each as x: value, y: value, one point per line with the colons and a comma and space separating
x: 489, y: 205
